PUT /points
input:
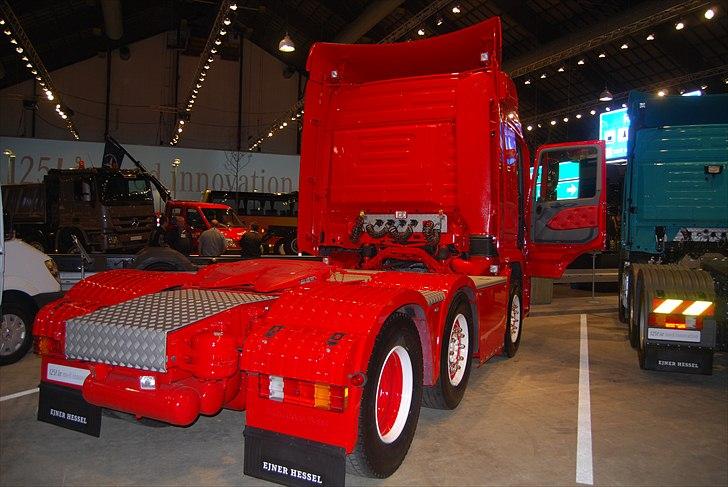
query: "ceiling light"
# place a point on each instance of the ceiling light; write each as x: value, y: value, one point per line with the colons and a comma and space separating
x: 650, y: 37
x: 439, y: 21
x: 49, y: 95
x: 29, y: 66
x: 709, y: 14
x: 421, y: 32
x: 606, y: 95
x: 602, y: 55
x: 566, y: 119
x: 624, y: 105
x: 210, y: 59
x: 2, y: 21
x: 286, y: 44
x: 561, y: 69
x: 226, y: 21
x: 233, y: 6
x: 543, y: 76
x: 527, y: 82
x: 679, y: 26
x: 270, y: 134
x: 538, y: 125
x: 609, y: 109
x: 529, y: 128
x: 218, y: 42
x: 578, y: 115
x: 553, y: 122
x: 592, y: 112
x: 25, y: 58
x: 34, y: 71
x: 580, y: 61
x: 206, y: 66
x: 661, y: 93
x: 181, y: 122
x: 179, y: 130
x: 456, y: 9
x: 223, y: 32
x: 703, y: 87
x: 624, y: 46
x: 19, y: 50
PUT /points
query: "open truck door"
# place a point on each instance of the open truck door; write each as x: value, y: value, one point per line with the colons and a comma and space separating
x: 568, y: 205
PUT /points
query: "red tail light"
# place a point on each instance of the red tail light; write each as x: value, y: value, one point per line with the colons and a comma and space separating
x: 46, y: 346
x: 303, y: 393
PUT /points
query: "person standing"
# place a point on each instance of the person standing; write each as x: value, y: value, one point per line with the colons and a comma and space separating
x: 250, y: 242
x: 211, y: 242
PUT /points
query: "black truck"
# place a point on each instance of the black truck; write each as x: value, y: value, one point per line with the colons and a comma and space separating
x: 106, y: 209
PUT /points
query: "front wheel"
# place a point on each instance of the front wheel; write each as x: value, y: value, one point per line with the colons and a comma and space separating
x: 514, y: 321
x: 16, y: 334
x: 455, y: 358
x: 390, y: 405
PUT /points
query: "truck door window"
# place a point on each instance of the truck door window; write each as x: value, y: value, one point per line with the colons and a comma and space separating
x: 82, y: 189
x: 570, y: 174
x: 194, y: 219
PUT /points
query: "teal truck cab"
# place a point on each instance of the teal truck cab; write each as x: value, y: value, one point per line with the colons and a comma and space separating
x: 674, y: 248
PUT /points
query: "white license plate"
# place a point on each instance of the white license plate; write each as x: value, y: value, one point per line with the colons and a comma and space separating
x: 136, y: 237
x: 673, y: 335
x: 66, y: 374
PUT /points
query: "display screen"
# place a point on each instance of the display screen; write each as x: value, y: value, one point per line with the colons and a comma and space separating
x: 614, y: 131
x: 567, y: 187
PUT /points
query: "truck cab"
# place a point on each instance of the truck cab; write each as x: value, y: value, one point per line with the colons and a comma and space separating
x: 105, y: 209
x: 199, y: 215
x: 417, y: 195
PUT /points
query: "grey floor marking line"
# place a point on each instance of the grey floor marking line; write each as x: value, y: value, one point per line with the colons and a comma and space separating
x: 584, y: 466
x: 19, y: 394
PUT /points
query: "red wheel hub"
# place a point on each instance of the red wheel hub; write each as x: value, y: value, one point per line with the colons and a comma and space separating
x: 389, y: 394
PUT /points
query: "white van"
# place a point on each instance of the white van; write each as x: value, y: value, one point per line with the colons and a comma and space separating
x: 29, y: 279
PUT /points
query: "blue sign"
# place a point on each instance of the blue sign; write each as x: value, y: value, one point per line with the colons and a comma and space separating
x: 613, y: 130
x: 567, y: 187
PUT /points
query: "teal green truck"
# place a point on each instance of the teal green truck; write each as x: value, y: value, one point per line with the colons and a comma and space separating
x: 674, y: 249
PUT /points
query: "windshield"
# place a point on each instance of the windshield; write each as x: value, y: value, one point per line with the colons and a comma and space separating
x: 118, y: 189
x: 225, y: 216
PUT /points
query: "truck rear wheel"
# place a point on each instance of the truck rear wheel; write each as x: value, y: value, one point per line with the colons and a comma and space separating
x: 390, y: 405
x: 16, y: 334
x: 514, y: 321
x: 633, y: 325
x: 455, y: 358
x: 624, y: 280
x: 640, y: 319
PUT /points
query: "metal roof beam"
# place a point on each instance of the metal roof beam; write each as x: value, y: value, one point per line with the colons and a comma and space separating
x: 644, y: 16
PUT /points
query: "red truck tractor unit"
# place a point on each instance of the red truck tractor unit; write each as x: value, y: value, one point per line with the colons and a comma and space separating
x: 416, y: 190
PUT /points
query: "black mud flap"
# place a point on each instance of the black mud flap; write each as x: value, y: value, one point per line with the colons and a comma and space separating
x: 679, y: 359
x: 66, y: 407
x: 292, y: 461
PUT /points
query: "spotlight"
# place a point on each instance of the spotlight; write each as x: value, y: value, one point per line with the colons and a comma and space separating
x: 527, y: 82
x: 561, y: 69
x: 566, y: 119
x: 661, y: 93
x: 456, y: 9
x: 709, y: 14
x: 592, y: 112
x: 529, y: 128
x: 602, y: 55
x: 679, y: 26
x: 578, y: 115
x: 650, y: 37
x: 543, y: 76
x: 421, y: 32
x: 553, y: 122
x: 580, y: 61
x: 624, y: 46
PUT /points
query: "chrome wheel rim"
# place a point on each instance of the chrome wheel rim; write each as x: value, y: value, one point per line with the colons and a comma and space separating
x: 458, y: 349
x: 515, y: 326
x: 12, y: 334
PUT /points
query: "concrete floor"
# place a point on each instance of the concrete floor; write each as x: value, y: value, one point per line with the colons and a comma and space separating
x: 517, y: 425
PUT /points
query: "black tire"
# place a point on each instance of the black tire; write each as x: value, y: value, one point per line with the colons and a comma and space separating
x: 623, y: 305
x: 510, y: 345
x: 640, y: 321
x: 65, y: 242
x: 447, y: 393
x: 633, y: 325
x: 16, y: 328
x: 372, y: 455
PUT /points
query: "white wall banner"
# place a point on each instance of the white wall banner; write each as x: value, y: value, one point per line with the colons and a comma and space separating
x: 199, y: 169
